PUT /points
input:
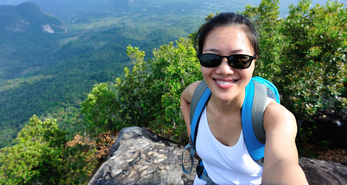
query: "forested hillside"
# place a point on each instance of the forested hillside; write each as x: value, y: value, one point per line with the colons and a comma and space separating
x: 50, y: 74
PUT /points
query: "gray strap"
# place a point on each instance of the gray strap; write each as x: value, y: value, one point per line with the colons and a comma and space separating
x: 196, y: 97
x: 207, y: 179
x: 192, y: 154
x: 258, y: 109
x: 260, y: 161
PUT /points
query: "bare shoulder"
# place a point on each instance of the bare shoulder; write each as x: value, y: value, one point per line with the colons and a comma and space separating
x: 188, y: 93
x: 277, y: 116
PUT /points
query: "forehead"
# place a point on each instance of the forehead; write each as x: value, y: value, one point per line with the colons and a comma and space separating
x: 230, y: 39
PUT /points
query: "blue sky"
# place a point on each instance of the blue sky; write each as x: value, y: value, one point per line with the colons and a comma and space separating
x: 283, y: 3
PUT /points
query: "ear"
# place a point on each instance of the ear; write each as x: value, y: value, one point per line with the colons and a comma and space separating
x: 255, y: 59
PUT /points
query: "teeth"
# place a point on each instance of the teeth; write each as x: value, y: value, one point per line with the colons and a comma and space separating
x: 224, y: 83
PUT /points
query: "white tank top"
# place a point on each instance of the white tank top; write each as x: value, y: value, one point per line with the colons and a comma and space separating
x: 225, y: 164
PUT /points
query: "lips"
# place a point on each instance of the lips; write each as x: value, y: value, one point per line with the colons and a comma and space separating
x: 224, y: 84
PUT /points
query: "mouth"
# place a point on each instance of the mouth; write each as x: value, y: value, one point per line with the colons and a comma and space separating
x: 225, y: 83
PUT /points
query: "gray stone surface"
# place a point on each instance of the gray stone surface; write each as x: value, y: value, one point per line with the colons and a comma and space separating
x: 320, y: 172
x: 141, y: 157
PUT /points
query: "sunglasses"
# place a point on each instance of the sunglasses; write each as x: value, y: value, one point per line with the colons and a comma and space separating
x: 239, y: 61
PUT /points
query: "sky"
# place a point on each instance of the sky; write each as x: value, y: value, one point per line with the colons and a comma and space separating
x: 283, y: 3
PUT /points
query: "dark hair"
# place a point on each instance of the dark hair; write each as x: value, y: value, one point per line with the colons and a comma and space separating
x: 228, y: 19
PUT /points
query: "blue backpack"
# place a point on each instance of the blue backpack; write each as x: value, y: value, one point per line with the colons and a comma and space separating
x: 253, y: 109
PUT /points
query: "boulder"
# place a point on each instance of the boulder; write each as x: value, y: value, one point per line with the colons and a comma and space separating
x: 141, y: 157
x: 320, y: 172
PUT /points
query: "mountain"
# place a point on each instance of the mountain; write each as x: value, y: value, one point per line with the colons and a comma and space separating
x: 27, y: 34
x: 28, y: 17
x: 49, y: 73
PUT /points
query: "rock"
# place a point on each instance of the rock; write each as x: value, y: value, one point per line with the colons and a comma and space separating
x: 141, y: 157
x: 322, y: 172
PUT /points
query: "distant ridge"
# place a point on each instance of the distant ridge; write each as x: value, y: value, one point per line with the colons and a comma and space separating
x: 28, y: 17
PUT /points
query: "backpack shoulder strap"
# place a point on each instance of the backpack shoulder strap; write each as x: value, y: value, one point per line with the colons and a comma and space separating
x: 200, y: 89
x: 258, y: 109
x: 201, y: 95
x: 252, y: 115
x: 252, y: 120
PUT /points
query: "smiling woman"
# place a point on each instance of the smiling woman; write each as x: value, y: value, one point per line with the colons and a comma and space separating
x: 226, y: 82
x: 228, y: 46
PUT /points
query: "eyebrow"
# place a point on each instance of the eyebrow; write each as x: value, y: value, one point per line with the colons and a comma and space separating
x: 216, y: 50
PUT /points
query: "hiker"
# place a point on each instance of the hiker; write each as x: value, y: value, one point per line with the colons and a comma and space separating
x: 228, y: 51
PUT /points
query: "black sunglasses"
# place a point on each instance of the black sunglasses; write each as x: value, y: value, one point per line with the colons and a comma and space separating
x: 238, y: 61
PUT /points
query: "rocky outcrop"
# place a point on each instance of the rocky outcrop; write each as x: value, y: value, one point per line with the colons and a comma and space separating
x: 141, y: 157
x: 321, y: 172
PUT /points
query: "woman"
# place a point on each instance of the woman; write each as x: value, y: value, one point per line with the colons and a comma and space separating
x: 220, y: 143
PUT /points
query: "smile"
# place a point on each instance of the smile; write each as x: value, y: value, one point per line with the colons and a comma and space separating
x: 225, y: 82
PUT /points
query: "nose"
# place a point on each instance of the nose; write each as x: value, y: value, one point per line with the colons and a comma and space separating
x: 224, y: 68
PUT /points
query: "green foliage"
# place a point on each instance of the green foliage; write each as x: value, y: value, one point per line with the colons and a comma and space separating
x: 315, y: 54
x: 41, y: 157
x: 133, y: 91
x: 149, y: 95
x: 79, y: 163
x: 266, y: 20
x: 100, y: 109
x: 174, y: 68
x: 36, y: 157
x: 303, y: 54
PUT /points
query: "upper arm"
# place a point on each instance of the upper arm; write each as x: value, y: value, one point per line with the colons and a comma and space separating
x: 188, y: 93
x: 281, y: 163
x: 280, y: 128
x: 186, y: 99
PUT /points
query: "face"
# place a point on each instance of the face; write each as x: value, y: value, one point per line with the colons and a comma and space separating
x: 227, y: 83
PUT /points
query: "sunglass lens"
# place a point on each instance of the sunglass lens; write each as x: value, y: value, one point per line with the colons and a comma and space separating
x: 239, y: 61
x: 210, y: 60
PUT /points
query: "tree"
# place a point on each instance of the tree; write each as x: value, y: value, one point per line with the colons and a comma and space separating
x: 266, y: 20
x: 304, y: 54
x: 149, y: 95
x: 174, y: 68
x: 314, y: 58
x: 43, y: 155
x: 136, y: 102
x: 99, y: 110
x: 36, y: 157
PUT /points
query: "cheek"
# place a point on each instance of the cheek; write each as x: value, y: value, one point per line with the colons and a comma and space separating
x: 206, y: 71
x: 248, y: 73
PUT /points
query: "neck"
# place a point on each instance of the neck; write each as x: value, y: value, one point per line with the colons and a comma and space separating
x: 228, y: 107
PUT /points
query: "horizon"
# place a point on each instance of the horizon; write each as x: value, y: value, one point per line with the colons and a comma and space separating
x: 283, y: 5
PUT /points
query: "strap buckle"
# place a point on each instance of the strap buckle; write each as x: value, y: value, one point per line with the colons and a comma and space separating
x: 199, y: 169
